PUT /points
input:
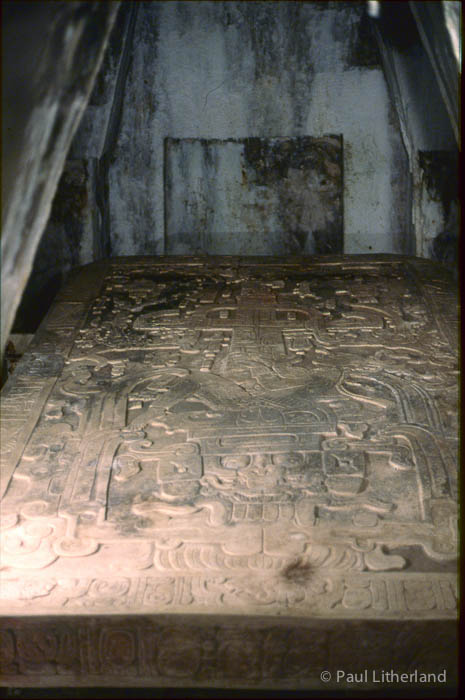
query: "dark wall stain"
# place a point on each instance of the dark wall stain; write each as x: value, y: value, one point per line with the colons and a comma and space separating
x: 295, y: 168
x: 364, y: 51
x: 398, y: 26
x: 272, y: 159
x: 101, y: 90
x: 71, y: 195
x: 59, y: 248
x: 440, y: 173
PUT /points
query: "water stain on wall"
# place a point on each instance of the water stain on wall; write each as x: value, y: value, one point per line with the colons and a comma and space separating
x: 255, y: 196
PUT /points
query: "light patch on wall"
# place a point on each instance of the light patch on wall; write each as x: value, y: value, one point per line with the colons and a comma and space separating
x: 374, y: 8
x: 356, y: 104
x: 451, y: 11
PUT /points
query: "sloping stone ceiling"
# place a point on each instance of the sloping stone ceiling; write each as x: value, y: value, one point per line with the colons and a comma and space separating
x: 51, y: 54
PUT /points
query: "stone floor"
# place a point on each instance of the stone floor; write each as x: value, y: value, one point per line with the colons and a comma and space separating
x: 235, y: 473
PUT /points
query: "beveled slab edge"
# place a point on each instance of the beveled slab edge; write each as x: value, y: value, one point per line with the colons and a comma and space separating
x: 334, y: 596
x: 25, y: 393
x: 232, y: 653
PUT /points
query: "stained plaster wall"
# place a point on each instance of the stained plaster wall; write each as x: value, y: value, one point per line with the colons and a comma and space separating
x: 221, y: 70
x: 427, y: 129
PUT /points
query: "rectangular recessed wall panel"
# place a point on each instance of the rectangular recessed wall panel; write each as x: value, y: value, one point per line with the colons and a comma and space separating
x: 254, y: 196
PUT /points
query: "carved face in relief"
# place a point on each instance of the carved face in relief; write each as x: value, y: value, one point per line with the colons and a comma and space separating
x: 265, y: 473
x: 258, y: 474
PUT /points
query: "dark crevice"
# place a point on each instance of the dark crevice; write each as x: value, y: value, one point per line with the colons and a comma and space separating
x: 113, y: 127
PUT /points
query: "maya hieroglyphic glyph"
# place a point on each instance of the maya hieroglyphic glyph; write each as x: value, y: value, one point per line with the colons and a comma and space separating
x: 213, y: 424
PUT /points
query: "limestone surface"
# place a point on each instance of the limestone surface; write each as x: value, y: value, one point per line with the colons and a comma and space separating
x: 234, y: 472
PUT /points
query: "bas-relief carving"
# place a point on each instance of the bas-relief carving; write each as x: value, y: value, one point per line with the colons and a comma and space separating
x: 232, y: 435
x: 297, y: 588
x: 144, y: 652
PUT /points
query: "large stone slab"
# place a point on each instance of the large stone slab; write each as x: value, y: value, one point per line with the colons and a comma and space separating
x: 234, y: 472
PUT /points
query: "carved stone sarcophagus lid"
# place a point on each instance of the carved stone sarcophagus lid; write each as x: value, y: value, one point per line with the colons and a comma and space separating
x: 234, y: 472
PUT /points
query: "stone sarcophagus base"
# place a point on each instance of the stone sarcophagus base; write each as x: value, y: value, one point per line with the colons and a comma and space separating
x: 235, y: 472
